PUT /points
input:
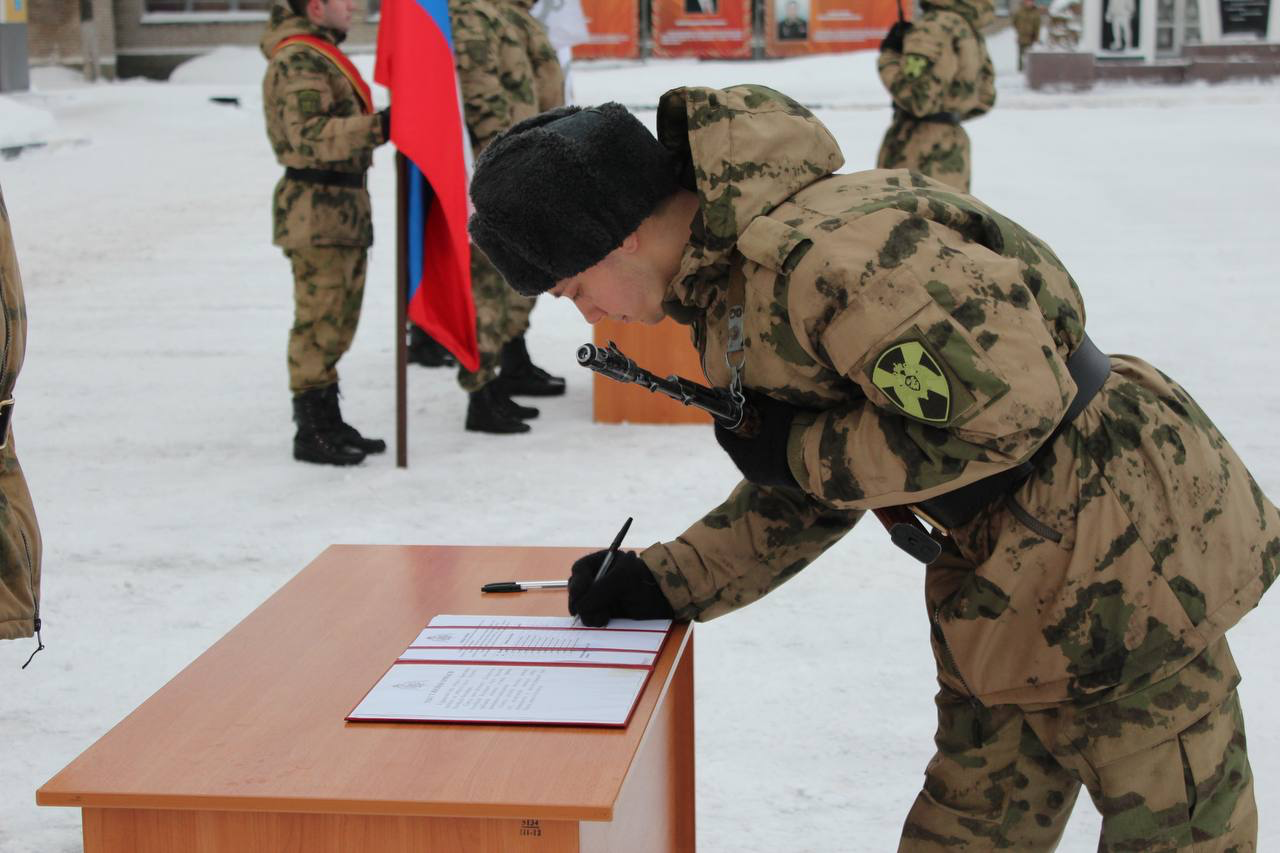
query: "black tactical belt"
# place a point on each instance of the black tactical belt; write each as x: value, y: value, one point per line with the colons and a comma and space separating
x: 932, y: 118
x: 1089, y: 368
x: 354, y: 180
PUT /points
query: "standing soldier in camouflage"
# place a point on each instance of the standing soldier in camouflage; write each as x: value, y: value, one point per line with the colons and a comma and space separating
x: 1026, y: 23
x: 321, y: 124
x: 20, y: 546
x: 509, y: 72
x: 938, y: 74
x: 904, y: 345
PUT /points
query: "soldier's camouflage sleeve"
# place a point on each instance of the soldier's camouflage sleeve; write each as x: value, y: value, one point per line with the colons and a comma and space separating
x: 917, y: 78
x: 548, y: 76
x: 476, y: 41
x: 316, y: 126
x: 743, y: 549
x: 945, y: 405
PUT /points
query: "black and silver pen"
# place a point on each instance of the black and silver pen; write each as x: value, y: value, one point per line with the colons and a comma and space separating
x: 613, y: 552
x: 521, y: 586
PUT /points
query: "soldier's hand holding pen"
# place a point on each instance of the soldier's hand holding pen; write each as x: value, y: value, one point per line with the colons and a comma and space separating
x: 627, y: 591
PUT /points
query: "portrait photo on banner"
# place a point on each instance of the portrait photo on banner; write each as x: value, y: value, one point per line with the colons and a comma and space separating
x: 793, y: 19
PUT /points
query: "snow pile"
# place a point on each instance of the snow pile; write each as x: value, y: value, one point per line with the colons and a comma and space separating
x: 223, y: 66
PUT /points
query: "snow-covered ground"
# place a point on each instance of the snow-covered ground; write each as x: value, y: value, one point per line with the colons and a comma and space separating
x: 153, y: 420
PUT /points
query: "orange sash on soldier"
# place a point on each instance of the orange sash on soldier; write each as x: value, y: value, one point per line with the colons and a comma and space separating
x: 338, y: 58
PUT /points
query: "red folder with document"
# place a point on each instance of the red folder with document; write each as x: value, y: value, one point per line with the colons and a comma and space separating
x: 534, y: 670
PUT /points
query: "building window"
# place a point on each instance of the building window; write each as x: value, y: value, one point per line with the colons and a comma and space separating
x: 179, y: 6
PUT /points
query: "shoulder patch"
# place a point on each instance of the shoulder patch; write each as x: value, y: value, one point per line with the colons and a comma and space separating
x: 914, y: 66
x: 915, y: 383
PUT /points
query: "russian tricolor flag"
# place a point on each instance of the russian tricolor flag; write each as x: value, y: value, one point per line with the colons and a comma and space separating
x: 415, y: 62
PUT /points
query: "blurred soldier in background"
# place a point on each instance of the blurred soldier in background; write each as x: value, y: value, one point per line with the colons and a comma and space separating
x: 321, y: 123
x: 20, y: 546
x: 508, y: 72
x: 938, y: 74
x: 1026, y: 22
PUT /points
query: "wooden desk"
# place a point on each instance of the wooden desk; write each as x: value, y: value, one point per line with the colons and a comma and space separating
x: 662, y: 350
x: 246, y: 750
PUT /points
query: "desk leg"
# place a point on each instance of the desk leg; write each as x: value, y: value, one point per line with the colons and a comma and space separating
x: 682, y: 758
x: 655, y: 809
x: 178, y: 831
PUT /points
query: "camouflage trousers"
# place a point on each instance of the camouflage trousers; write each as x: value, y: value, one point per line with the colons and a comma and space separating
x: 1164, y: 763
x: 328, y: 289
x: 20, y: 551
x: 937, y: 149
x: 501, y: 315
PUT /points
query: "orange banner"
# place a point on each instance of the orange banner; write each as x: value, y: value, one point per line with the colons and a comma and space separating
x: 711, y: 28
x: 615, y: 29
x: 823, y: 26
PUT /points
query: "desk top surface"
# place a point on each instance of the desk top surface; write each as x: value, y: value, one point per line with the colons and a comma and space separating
x: 256, y: 722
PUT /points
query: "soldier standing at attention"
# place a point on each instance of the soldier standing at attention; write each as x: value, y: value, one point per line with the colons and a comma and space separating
x: 904, y: 345
x: 20, y: 546
x: 938, y: 74
x: 321, y: 123
x: 508, y: 71
x: 1026, y: 23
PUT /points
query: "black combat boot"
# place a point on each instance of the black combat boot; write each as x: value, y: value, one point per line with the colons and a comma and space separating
x: 315, y: 440
x: 524, y: 413
x: 424, y: 350
x: 487, y: 411
x: 345, y: 432
x: 520, y: 377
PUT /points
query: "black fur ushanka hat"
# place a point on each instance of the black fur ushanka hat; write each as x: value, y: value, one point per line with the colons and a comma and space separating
x: 557, y: 192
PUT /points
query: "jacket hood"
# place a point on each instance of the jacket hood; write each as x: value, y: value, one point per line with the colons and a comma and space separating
x: 744, y: 150
x: 284, y: 22
x: 979, y: 13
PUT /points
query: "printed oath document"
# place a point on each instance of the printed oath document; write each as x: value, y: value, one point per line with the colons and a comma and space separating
x: 547, y: 670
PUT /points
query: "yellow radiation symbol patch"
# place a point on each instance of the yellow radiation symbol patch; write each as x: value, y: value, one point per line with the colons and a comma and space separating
x: 909, y: 376
x: 914, y: 65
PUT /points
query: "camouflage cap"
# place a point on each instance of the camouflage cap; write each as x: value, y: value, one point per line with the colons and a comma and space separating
x: 556, y: 193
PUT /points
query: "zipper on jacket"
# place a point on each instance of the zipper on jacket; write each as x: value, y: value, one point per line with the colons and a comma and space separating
x: 35, y: 602
x: 950, y: 661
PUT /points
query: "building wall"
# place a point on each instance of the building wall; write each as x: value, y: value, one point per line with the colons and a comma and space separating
x: 53, y: 34
x: 153, y: 43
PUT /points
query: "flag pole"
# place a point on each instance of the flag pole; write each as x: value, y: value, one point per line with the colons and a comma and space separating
x: 402, y: 305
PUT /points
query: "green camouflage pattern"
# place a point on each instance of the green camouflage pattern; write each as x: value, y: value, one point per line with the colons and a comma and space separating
x: 1026, y: 23
x: 1139, y: 539
x: 508, y: 72
x: 20, y: 545
x: 944, y: 68
x: 506, y: 66
x: 1164, y: 763
x: 328, y: 289
x: 314, y: 121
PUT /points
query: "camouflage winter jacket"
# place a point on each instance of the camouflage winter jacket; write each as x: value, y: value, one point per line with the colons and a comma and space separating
x: 1026, y: 23
x: 944, y: 66
x: 506, y: 66
x: 927, y: 336
x: 20, y: 547
x: 315, y: 121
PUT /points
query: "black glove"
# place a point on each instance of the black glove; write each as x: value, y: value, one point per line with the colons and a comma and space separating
x: 894, y: 38
x: 762, y: 458
x: 628, y: 591
x: 384, y: 118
